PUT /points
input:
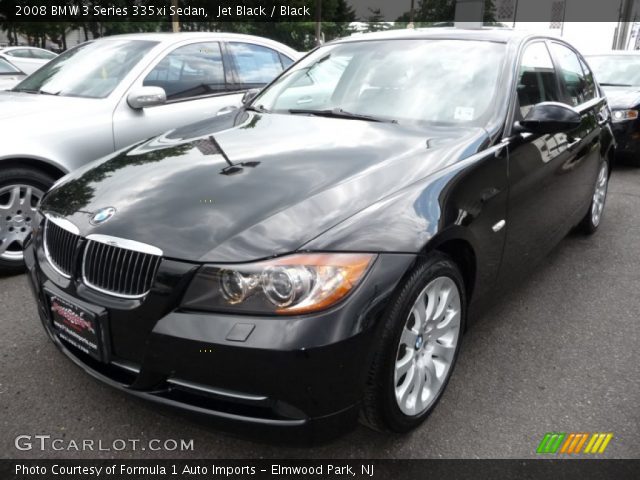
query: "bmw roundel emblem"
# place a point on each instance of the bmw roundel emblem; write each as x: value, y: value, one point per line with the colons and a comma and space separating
x: 102, y: 215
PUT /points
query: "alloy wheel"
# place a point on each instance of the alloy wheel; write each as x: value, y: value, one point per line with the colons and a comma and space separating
x: 427, y: 346
x: 600, y: 195
x: 17, y: 215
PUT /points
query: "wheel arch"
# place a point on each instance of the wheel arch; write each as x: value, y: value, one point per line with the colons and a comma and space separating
x: 47, y: 166
x: 460, y: 250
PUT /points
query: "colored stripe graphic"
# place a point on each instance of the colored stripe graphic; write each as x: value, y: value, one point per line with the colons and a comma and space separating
x: 567, y: 443
x: 572, y: 443
x: 581, y: 442
x: 543, y: 443
x: 550, y: 443
x: 598, y: 443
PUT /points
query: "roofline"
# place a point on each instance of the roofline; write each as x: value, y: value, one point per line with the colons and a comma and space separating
x: 170, y: 38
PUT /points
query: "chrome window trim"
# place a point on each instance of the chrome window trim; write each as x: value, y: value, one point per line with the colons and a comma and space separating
x: 511, y: 115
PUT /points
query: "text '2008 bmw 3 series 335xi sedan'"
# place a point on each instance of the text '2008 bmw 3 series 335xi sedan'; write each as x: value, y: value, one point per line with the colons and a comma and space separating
x: 313, y: 258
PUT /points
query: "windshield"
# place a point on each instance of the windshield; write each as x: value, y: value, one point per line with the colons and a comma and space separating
x: 91, y: 70
x: 434, y: 81
x: 616, y: 69
x: 6, y: 67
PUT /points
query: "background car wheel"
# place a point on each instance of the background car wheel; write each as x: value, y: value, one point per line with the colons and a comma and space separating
x: 20, y: 191
x: 418, y: 348
x: 592, y: 219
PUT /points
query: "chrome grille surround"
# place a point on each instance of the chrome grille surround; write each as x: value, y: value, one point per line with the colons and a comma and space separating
x: 61, y: 239
x: 119, y: 267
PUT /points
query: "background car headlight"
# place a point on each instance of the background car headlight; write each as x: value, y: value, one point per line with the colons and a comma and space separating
x: 622, y: 115
x: 293, y: 284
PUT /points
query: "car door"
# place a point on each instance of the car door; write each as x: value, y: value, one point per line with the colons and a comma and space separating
x: 581, y: 93
x: 540, y: 167
x: 198, y: 83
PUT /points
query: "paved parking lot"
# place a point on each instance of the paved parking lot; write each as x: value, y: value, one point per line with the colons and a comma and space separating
x: 559, y: 353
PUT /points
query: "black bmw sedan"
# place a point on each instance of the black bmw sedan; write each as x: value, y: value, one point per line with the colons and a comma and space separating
x: 315, y: 256
x: 619, y: 76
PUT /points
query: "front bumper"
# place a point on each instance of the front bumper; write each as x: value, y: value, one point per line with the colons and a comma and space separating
x: 300, y: 378
x: 627, y: 135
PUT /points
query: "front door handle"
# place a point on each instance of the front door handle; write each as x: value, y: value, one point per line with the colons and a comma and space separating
x: 572, y: 145
x: 225, y: 110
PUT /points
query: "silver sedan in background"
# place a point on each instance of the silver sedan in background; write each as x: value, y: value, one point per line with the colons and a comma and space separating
x: 27, y: 59
x: 10, y: 75
x: 104, y: 95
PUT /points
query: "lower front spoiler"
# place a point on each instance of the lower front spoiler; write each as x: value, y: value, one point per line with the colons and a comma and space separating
x: 307, y: 431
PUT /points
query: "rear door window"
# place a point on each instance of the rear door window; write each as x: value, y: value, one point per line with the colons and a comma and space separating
x: 592, y: 91
x: 255, y: 65
x: 42, y: 54
x: 579, y: 85
x: 20, y: 53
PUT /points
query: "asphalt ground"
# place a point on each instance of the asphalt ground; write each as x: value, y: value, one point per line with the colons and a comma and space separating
x: 559, y: 353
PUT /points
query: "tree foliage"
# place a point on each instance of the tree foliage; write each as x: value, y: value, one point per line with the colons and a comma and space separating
x: 428, y: 12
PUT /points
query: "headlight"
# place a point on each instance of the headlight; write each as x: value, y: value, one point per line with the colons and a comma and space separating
x: 622, y: 115
x: 294, y: 284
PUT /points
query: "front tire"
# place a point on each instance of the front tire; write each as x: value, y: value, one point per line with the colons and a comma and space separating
x: 21, y: 189
x: 419, y: 345
x: 593, y: 218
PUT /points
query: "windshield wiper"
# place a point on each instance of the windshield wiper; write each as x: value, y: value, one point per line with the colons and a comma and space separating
x: 615, y: 85
x: 24, y: 90
x: 38, y: 92
x: 340, y: 113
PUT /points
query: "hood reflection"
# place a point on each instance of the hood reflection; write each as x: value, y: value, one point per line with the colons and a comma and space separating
x: 248, y: 185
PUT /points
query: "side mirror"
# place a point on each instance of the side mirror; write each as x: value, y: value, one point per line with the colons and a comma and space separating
x: 250, y: 95
x: 550, y: 117
x: 144, y: 97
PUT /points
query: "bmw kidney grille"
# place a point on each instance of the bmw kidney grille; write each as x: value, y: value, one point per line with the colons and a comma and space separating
x: 111, y: 265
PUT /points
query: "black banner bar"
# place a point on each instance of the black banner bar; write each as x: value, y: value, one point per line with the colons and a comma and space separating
x: 424, y: 12
x: 319, y: 469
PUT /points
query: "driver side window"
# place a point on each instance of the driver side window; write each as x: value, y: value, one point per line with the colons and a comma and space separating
x: 191, y: 71
x: 537, y: 80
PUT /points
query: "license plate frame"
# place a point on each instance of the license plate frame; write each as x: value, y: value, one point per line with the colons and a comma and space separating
x: 81, y: 327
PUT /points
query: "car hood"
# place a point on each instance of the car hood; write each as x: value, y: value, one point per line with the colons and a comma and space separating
x: 19, y: 104
x: 622, y: 97
x: 248, y: 186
